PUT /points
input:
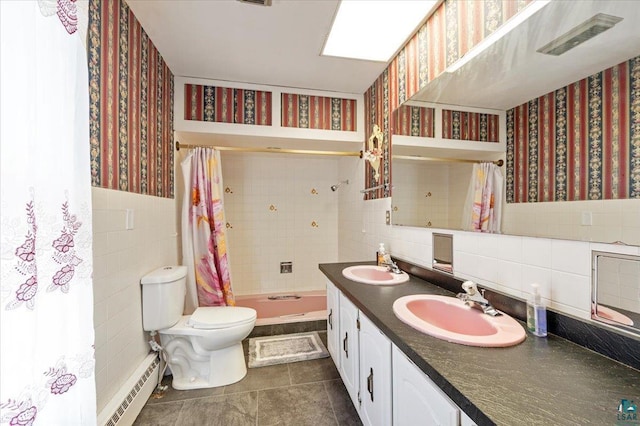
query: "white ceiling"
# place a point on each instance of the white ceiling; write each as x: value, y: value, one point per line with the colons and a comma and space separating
x: 280, y: 45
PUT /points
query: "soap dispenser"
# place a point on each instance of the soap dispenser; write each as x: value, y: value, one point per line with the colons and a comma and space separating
x: 381, y: 255
x: 536, y: 313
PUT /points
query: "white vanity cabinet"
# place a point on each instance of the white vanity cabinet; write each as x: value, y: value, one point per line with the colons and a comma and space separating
x: 415, y: 396
x: 375, y: 374
x: 362, y: 354
x: 385, y: 386
x: 333, y: 325
x: 349, y: 347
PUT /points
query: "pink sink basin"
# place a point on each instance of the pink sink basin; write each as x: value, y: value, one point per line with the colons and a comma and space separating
x: 377, y: 275
x: 449, y: 319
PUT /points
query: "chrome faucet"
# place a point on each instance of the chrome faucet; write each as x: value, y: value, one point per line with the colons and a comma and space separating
x: 392, y: 266
x: 475, y: 298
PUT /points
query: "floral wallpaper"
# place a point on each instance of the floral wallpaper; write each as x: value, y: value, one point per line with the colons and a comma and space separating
x: 413, y: 121
x: 131, y: 104
x: 580, y: 142
x: 377, y: 113
x: 318, y: 112
x: 470, y: 126
x: 451, y: 31
x: 227, y: 105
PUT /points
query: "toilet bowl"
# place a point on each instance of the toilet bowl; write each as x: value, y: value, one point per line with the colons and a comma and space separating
x: 204, y: 349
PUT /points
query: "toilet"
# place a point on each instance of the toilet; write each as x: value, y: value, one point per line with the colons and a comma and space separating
x: 204, y: 349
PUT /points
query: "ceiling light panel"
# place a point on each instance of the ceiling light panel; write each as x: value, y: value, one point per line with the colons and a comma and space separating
x: 374, y: 30
x: 588, y: 29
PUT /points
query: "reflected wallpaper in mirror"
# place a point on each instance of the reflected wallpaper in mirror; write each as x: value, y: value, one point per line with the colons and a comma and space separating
x: 616, y: 289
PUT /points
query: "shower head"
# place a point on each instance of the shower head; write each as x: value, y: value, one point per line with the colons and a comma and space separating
x: 334, y: 188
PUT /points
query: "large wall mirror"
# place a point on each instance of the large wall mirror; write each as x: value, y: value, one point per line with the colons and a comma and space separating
x: 615, y: 292
x: 512, y: 73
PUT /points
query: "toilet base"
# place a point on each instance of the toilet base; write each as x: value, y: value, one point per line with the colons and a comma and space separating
x: 219, y: 368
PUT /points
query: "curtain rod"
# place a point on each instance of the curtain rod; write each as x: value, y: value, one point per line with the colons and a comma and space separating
x: 498, y: 163
x: 271, y: 150
x: 385, y: 186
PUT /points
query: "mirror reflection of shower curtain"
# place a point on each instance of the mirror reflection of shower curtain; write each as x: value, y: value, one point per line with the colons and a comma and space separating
x: 204, y: 247
x: 483, y: 205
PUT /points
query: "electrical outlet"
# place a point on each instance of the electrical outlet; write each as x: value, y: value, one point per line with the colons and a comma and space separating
x: 286, y: 267
x: 388, y: 217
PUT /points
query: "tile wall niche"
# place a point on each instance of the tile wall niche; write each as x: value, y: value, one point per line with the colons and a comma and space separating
x: 280, y: 208
x: 509, y: 264
x: 120, y: 258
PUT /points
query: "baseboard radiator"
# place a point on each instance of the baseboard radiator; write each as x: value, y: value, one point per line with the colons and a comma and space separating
x: 125, y: 406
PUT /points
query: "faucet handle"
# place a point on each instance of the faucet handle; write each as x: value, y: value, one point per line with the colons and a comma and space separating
x: 470, y: 288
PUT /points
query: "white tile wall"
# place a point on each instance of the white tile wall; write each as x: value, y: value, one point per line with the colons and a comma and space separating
x: 271, y: 206
x: 352, y: 220
x: 120, y: 258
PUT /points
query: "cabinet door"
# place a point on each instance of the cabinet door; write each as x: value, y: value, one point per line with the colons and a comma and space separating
x: 333, y: 323
x: 415, y: 396
x: 349, y: 353
x: 466, y: 420
x: 375, y: 374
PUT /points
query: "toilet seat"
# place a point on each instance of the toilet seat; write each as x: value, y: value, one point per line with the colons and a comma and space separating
x: 216, y: 317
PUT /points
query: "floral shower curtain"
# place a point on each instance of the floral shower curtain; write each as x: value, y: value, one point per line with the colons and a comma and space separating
x: 483, y: 206
x: 204, y: 245
x: 46, y: 306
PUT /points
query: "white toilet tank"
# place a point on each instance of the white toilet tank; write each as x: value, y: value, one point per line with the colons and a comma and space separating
x: 163, y: 293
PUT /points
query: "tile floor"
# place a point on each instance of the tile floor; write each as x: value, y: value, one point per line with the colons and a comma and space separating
x: 302, y: 393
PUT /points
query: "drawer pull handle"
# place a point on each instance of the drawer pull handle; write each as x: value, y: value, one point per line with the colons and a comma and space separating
x: 344, y: 344
x: 330, y: 321
x: 370, y: 384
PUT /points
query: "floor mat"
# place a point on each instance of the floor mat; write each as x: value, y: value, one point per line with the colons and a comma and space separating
x: 272, y: 350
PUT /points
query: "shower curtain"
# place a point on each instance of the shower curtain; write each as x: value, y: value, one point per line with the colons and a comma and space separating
x: 483, y: 206
x: 204, y: 246
x: 46, y: 306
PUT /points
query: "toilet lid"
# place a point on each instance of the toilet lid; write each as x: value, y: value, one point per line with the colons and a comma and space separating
x: 212, y: 317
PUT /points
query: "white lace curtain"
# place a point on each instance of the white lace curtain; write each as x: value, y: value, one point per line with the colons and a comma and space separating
x: 47, y: 353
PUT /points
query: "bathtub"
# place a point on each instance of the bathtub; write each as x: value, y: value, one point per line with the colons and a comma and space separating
x: 282, y: 308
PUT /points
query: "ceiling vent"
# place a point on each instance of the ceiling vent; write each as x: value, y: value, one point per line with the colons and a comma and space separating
x: 588, y: 29
x: 258, y: 2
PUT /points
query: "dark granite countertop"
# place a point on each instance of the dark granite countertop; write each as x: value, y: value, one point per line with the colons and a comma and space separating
x: 542, y: 381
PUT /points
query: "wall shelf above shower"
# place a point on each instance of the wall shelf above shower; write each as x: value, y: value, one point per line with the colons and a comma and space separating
x: 275, y: 110
x: 445, y: 118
